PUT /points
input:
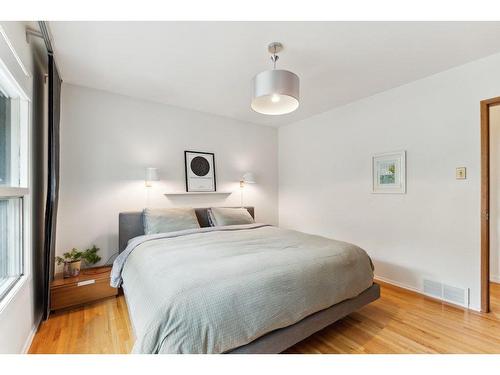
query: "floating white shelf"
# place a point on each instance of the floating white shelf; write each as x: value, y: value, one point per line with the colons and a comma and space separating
x: 201, y: 193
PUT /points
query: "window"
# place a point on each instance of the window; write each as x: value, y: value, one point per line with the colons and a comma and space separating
x: 4, y: 134
x: 13, y: 181
x: 11, y: 249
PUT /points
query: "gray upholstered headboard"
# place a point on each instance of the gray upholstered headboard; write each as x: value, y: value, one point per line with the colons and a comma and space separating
x: 130, y: 224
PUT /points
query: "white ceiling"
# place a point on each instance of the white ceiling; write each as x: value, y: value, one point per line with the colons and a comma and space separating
x: 208, y: 66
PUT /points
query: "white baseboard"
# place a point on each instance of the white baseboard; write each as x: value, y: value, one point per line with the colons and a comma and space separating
x: 413, y: 289
x: 31, y: 336
x: 495, y: 278
x: 397, y: 283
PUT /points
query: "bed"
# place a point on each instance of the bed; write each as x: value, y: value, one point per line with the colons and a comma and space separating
x: 251, y: 288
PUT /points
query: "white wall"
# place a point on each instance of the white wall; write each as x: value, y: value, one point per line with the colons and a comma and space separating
x: 108, y: 140
x: 495, y: 194
x: 433, y: 230
x: 20, y: 312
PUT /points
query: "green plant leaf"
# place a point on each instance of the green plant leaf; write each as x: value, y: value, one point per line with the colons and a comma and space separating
x: 88, y: 255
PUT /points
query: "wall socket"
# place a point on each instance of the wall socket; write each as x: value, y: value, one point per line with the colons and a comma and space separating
x: 460, y: 173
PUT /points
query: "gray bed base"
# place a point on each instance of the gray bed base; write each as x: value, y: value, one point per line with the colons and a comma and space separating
x: 130, y: 226
x: 277, y: 341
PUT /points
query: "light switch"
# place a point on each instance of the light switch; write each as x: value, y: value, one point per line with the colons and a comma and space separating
x: 460, y: 173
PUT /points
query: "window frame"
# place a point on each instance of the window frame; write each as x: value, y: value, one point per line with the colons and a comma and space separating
x: 13, y: 283
x: 22, y: 116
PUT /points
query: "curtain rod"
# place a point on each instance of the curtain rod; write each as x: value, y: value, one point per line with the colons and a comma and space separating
x: 44, y: 34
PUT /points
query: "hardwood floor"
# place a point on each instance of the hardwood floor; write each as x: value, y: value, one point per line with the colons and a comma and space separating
x: 399, y: 322
x: 102, y: 327
x: 405, y: 322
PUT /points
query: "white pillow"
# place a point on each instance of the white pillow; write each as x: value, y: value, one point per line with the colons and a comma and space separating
x: 219, y: 216
x: 169, y: 220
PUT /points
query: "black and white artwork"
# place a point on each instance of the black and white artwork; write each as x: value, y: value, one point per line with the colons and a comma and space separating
x: 200, y: 171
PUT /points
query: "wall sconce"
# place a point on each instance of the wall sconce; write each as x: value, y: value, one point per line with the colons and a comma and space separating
x: 248, y: 178
x: 151, y: 175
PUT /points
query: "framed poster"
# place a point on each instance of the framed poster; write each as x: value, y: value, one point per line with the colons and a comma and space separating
x: 389, y: 172
x: 200, y: 171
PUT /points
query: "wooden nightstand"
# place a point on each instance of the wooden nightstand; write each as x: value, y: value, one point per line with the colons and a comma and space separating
x: 92, y: 284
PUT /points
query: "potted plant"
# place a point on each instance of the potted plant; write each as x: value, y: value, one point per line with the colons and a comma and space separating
x: 72, y: 260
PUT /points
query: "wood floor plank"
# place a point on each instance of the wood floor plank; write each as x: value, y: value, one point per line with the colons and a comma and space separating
x: 399, y: 322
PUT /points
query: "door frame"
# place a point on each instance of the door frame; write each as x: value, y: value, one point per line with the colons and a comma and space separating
x: 485, y: 201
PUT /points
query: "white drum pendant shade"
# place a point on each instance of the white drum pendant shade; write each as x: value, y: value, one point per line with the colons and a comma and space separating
x: 275, y: 92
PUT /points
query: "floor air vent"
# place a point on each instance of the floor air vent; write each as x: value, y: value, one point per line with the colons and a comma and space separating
x: 448, y: 293
x: 455, y: 295
x: 433, y: 288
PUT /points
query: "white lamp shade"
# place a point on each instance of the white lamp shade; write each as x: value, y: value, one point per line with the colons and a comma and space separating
x: 248, y: 178
x: 275, y: 92
x: 152, y: 174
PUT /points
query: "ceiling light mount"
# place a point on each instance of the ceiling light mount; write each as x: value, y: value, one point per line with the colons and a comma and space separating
x: 274, y: 48
x: 275, y: 92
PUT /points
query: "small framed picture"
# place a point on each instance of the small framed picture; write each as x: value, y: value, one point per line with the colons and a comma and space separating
x: 200, y: 171
x: 389, y: 173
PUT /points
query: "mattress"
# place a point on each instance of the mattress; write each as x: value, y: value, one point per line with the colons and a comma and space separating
x: 210, y: 290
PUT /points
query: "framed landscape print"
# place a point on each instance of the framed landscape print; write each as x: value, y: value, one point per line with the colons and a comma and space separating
x: 200, y: 171
x: 389, y: 172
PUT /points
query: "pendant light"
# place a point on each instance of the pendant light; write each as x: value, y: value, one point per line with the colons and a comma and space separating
x: 275, y: 92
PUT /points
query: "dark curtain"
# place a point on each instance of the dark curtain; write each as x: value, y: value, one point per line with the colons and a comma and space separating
x: 54, y: 100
